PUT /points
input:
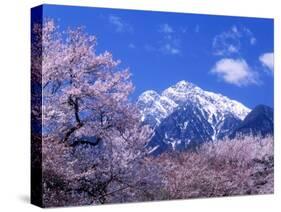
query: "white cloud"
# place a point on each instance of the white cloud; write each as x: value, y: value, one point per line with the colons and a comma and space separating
x: 170, y: 45
x: 248, y: 33
x: 235, y: 71
x: 166, y: 28
x: 267, y: 60
x: 229, y: 42
x: 119, y: 24
x: 168, y: 42
x: 169, y: 49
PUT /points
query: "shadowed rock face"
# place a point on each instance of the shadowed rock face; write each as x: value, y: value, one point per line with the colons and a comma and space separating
x: 187, y: 128
x: 258, y: 122
x: 184, y: 128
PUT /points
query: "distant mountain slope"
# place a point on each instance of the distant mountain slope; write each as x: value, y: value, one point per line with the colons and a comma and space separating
x: 258, y: 122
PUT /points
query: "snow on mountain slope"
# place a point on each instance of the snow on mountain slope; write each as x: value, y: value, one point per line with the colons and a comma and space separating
x: 154, y: 107
x: 213, y: 103
x: 217, y: 109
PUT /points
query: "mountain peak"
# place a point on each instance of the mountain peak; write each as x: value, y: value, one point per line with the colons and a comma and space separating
x: 183, y: 85
x: 149, y: 93
x: 216, y: 108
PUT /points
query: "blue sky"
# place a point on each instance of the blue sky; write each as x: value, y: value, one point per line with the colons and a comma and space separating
x: 229, y: 55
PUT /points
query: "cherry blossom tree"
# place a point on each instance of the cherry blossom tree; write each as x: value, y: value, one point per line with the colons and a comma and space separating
x: 93, y: 140
x: 222, y: 168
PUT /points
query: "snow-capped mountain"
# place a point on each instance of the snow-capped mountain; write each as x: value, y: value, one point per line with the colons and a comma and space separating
x: 215, y: 108
x: 184, y: 116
